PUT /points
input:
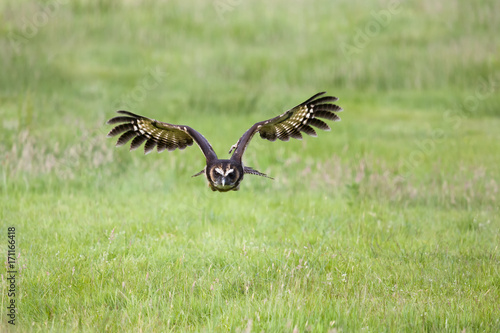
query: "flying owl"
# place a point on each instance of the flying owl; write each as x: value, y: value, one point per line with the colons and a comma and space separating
x: 225, y: 174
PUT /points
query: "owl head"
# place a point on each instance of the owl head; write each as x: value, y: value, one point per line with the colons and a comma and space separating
x: 225, y: 175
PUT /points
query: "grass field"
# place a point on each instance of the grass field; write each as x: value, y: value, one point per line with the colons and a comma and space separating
x: 388, y: 223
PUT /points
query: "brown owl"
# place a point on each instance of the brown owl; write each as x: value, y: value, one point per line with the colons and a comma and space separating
x: 225, y: 174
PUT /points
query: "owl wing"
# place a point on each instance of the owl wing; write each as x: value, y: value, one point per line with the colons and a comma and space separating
x: 156, y: 134
x: 291, y: 123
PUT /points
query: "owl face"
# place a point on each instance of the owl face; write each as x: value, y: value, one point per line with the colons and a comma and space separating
x: 224, y: 176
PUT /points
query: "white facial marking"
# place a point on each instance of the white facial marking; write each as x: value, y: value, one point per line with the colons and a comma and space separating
x: 219, y: 171
x: 228, y: 172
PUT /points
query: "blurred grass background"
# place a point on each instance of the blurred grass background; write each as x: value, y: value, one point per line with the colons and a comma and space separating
x: 395, y: 211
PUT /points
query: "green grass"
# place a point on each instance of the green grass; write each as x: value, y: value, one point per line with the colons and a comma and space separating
x: 388, y: 223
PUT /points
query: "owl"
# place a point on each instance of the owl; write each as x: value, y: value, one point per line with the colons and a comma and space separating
x: 225, y: 175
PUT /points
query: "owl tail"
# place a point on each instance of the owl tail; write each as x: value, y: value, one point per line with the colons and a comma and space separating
x: 248, y: 170
x: 199, y: 173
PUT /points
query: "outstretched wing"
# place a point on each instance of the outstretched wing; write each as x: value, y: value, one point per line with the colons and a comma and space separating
x: 156, y: 134
x: 291, y: 123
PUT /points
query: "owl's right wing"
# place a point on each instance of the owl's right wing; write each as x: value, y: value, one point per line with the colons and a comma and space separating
x: 291, y: 123
x: 156, y: 134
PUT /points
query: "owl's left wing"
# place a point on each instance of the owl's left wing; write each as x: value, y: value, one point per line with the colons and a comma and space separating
x: 157, y: 134
x: 291, y: 123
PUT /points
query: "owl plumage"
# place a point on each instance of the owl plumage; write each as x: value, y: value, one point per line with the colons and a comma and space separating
x: 225, y: 174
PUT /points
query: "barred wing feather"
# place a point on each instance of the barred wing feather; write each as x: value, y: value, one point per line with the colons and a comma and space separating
x: 292, y: 123
x: 156, y: 134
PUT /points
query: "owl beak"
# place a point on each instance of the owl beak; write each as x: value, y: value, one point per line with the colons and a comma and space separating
x: 223, y: 181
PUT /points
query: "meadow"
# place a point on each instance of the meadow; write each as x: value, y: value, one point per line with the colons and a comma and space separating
x: 387, y: 223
